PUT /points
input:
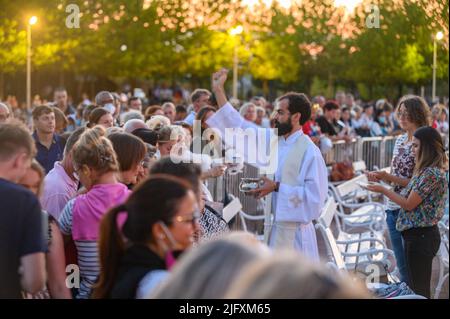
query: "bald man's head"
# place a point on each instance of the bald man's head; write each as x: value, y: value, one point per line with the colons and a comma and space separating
x: 104, y: 97
x: 133, y: 125
x: 5, y: 113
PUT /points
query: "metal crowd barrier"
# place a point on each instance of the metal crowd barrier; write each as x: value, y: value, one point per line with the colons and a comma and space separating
x: 371, y: 148
x: 387, y: 151
x: 230, y: 184
x: 445, y: 140
x: 374, y: 151
x: 342, y: 151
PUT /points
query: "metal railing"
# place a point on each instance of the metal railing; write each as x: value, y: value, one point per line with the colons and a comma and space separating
x: 230, y: 184
x: 342, y: 151
x: 374, y: 151
x: 445, y: 140
x: 371, y: 152
x: 388, y: 151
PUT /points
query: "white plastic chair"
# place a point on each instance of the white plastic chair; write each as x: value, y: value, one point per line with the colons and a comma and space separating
x: 442, y: 257
x: 244, y: 217
x: 363, y: 216
x: 354, y: 254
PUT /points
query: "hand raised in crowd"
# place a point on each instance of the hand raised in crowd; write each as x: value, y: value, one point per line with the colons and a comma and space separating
x: 218, y: 81
x: 219, y: 78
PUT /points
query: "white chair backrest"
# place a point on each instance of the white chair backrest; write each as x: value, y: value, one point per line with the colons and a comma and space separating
x: 334, y: 249
x: 324, y: 223
x: 328, y: 212
x: 359, y: 166
x: 351, y: 186
x: 444, y: 249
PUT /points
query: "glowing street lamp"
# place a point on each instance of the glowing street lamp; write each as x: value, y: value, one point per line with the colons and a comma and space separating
x: 235, y: 32
x: 32, y: 21
x: 438, y: 37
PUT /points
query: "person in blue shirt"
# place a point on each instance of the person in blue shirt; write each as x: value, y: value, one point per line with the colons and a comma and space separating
x: 61, y: 101
x: 199, y: 99
x: 49, y: 145
x: 22, y: 236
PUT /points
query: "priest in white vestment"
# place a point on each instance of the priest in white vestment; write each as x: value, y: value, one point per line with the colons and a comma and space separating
x: 299, y: 186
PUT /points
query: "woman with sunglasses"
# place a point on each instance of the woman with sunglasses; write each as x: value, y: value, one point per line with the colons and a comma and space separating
x: 161, y: 222
x: 211, y: 223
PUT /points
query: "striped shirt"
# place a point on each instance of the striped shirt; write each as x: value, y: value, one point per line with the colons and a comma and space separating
x: 88, y: 260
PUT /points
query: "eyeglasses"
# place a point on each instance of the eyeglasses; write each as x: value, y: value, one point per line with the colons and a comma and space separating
x: 403, y: 114
x: 192, y: 219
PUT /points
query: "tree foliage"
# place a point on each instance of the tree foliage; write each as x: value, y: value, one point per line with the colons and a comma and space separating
x: 169, y: 39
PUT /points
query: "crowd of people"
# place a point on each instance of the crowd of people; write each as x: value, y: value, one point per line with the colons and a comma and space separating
x: 341, y: 118
x: 96, y: 185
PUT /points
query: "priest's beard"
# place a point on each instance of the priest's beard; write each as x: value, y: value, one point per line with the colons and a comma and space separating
x: 283, y: 128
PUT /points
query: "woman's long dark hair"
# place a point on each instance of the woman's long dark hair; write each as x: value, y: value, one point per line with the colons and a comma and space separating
x: 431, y: 150
x: 95, y: 116
x: 155, y: 200
x: 130, y: 150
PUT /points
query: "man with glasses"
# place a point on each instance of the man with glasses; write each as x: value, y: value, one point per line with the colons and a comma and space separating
x: 199, y: 99
x: 299, y: 187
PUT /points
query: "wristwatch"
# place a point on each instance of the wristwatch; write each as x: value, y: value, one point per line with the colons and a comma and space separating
x: 277, y: 186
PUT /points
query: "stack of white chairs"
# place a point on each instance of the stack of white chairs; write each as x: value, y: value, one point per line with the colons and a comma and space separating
x: 353, y: 214
x: 442, y: 256
x: 362, y: 252
x: 359, y: 168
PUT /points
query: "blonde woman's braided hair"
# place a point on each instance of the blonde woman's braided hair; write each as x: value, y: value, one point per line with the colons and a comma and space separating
x: 95, y: 151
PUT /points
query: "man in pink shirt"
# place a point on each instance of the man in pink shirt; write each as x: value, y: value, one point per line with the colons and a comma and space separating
x: 61, y: 184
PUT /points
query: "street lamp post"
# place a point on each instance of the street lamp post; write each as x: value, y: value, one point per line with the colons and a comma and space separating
x: 31, y: 22
x: 437, y: 37
x: 235, y: 72
x: 234, y: 32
